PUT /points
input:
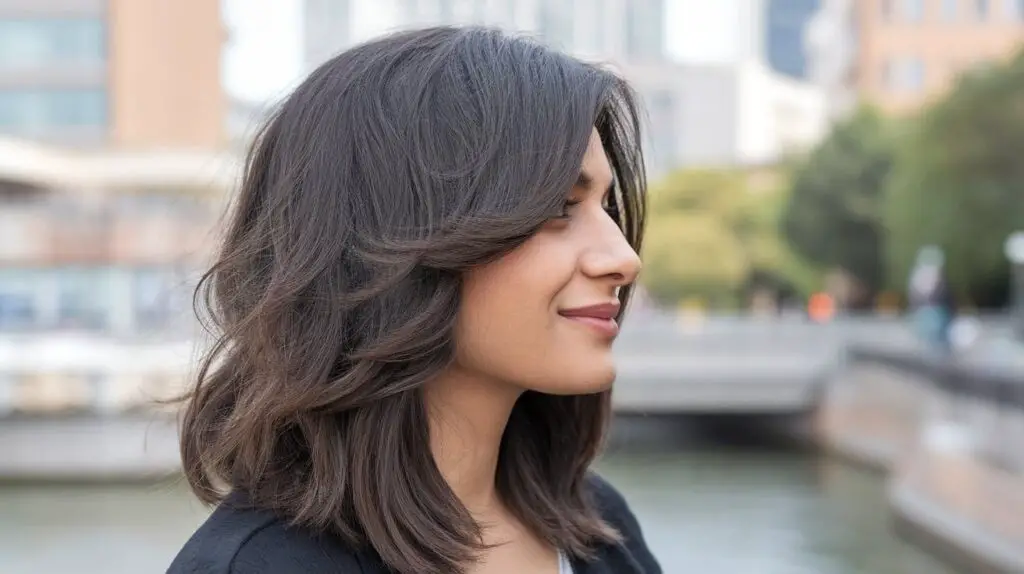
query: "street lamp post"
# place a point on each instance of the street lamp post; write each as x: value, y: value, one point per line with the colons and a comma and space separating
x: 1014, y: 249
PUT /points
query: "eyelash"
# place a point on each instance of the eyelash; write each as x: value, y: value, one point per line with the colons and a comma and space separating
x: 611, y: 209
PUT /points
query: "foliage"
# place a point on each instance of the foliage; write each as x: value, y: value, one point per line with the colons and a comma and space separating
x: 692, y: 255
x: 959, y: 183
x: 833, y: 213
x: 710, y: 231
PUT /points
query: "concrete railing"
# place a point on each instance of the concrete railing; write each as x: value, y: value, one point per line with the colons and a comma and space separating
x: 950, y: 435
x: 979, y: 406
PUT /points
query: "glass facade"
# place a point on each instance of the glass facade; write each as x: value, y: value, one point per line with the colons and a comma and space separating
x: 645, y: 23
x: 913, y: 10
x: 663, y: 131
x: 95, y: 298
x: 29, y: 111
x: 1015, y: 10
x: 904, y: 74
x: 42, y: 42
x: 950, y: 10
x: 555, y: 23
x: 784, y: 37
x: 981, y: 8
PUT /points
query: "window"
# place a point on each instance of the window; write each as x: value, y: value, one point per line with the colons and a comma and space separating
x: 887, y: 9
x: 80, y: 297
x: 913, y: 10
x: 1015, y: 10
x: 479, y: 12
x: 904, y: 74
x: 981, y: 9
x: 645, y: 21
x: 17, y: 298
x: 663, y: 127
x: 949, y: 10
x: 783, y: 42
x: 555, y: 24
x: 31, y: 111
x: 33, y: 42
x: 152, y: 303
x: 446, y: 12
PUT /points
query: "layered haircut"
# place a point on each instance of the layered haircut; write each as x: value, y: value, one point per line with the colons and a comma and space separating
x: 391, y: 170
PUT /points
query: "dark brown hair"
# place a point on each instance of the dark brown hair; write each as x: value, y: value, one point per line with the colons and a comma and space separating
x: 388, y: 172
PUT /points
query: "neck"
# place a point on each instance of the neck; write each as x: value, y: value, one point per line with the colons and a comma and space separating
x: 467, y: 420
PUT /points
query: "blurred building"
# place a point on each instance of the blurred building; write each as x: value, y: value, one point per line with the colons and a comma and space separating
x: 729, y: 115
x: 627, y: 34
x: 830, y: 44
x: 111, y: 164
x: 697, y: 114
x: 619, y: 30
x: 242, y: 121
x: 911, y: 50
x: 785, y: 22
x: 121, y: 73
x: 900, y: 54
x: 105, y: 242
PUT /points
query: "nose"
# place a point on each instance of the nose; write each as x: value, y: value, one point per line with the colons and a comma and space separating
x: 610, y: 257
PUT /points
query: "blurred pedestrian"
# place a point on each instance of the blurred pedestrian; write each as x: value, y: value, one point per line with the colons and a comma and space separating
x: 931, y: 300
x: 418, y: 293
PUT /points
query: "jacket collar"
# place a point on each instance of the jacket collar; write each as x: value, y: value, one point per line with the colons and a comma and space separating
x: 611, y: 559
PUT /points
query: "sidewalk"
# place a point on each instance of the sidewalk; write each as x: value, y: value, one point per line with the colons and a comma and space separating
x: 995, y: 352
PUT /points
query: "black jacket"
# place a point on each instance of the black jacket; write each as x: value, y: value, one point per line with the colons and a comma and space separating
x: 234, y: 540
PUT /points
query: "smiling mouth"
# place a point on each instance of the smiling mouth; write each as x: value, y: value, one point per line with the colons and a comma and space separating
x: 600, y: 318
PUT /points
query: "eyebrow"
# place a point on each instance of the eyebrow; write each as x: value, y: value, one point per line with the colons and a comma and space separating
x: 587, y: 182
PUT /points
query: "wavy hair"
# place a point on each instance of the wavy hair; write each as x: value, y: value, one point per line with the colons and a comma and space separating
x: 391, y: 170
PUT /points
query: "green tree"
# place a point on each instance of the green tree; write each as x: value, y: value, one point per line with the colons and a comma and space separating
x: 692, y: 255
x: 959, y: 183
x: 710, y: 231
x: 691, y: 248
x: 833, y: 213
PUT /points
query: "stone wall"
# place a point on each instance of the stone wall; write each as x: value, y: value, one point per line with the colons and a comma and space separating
x: 954, y: 458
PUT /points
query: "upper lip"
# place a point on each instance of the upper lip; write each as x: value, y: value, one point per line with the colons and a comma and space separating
x: 599, y: 311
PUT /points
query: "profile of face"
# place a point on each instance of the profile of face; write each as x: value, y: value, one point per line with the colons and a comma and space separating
x: 543, y: 317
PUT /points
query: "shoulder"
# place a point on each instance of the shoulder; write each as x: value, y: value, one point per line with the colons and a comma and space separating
x: 612, y: 505
x: 615, y: 510
x: 240, y: 540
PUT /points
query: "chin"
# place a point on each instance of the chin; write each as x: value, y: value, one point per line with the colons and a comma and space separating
x: 592, y: 381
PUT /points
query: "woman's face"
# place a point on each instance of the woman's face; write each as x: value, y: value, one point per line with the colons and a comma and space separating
x: 541, y: 318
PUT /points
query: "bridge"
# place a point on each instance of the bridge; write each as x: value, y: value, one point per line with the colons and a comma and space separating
x: 667, y: 364
x: 949, y: 435
x: 746, y: 365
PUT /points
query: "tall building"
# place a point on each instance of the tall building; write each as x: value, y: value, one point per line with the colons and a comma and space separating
x: 627, y: 33
x: 909, y: 51
x: 730, y: 113
x: 621, y: 30
x: 785, y: 22
x: 120, y: 73
x: 830, y: 45
x: 327, y: 29
x: 111, y: 127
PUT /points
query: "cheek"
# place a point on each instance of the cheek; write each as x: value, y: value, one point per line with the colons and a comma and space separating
x: 508, y: 309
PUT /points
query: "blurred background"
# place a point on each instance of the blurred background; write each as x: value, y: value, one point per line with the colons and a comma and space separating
x: 824, y: 369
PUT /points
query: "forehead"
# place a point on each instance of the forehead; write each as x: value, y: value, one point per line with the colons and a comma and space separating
x: 595, y: 161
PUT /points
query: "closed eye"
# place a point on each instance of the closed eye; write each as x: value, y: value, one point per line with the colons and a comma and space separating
x: 567, y: 207
x: 611, y: 203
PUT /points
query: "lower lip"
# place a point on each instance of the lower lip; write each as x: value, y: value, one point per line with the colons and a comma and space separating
x: 607, y: 327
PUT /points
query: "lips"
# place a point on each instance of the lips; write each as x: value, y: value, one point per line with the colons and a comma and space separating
x: 599, y: 318
x: 604, y: 311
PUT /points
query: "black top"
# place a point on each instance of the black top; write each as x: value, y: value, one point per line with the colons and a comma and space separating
x: 237, y: 540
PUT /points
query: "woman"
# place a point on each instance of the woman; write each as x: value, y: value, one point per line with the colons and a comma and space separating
x: 417, y: 295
